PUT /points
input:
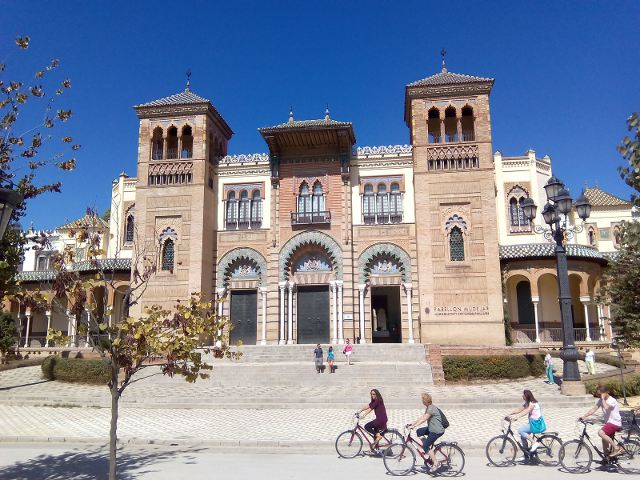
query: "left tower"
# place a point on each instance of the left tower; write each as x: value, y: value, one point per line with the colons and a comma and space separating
x: 180, y: 139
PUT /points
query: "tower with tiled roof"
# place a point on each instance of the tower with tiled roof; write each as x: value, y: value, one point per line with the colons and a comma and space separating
x: 180, y: 139
x: 459, y: 273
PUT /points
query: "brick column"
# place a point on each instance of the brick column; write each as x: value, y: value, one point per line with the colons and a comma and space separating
x: 282, y: 286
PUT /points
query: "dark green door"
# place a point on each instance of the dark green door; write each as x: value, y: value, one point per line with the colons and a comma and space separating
x: 313, y: 314
x: 244, y: 316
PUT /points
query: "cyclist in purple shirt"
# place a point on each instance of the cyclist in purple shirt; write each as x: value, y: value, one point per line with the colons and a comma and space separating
x: 379, y: 424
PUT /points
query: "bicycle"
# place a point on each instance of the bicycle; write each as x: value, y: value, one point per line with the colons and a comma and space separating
x: 400, y: 458
x: 576, y: 455
x: 501, y: 450
x: 349, y: 443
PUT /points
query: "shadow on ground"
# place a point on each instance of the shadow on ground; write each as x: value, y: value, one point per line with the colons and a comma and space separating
x: 93, y: 464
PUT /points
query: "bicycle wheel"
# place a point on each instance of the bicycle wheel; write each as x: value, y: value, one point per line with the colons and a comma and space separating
x: 501, y: 451
x: 349, y: 444
x: 399, y: 459
x: 629, y: 460
x: 389, y: 438
x: 549, y: 450
x: 575, y: 456
x: 451, y: 459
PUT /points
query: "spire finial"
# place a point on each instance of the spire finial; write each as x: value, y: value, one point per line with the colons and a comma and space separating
x: 188, y: 89
x: 327, y: 116
x: 443, y: 52
x: 291, y: 115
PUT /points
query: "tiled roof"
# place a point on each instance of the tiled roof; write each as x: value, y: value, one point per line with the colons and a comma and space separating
x: 86, y: 221
x: 183, y: 98
x: 108, y: 264
x: 449, y: 78
x: 527, y: 250
x: 599, y: 198
x: 307, y: 124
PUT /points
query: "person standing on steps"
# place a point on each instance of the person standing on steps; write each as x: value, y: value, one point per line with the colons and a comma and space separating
x: 348, y: 351
x: 330, y: 359
x: 318, y: 355
x: 548, y: 363
x: 378, y: 425
x: 590, y: 360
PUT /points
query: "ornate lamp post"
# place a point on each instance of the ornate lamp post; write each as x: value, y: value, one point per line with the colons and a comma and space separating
x: 9, y: 200
x: 555, y: 212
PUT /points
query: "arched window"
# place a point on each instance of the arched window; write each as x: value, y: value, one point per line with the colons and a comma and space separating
x: 369, y: 205
x: 318, y: 198
x: 256, y: 209
x: 157, y: 144
x: 129, y: 227
x: 591, y: 234
x: 395, y: 208
x: 617, y: 237
x: 466, y: 123
x: 382, y: 203
x: 232, y: 211
x: 450, y: 125
x: 244, y: 210
x: 168, y: 255
x: 172, y: 142
x: 304, y: 200
x: 434, y: 125
x: 456, y: 245
x: 517, y: 220
x: 186, y: 141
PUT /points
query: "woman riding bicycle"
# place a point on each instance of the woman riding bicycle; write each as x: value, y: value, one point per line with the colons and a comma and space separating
x: 379, y: 424
x: 432, y: 431
x: 612, y: 419
x: 536, y: 423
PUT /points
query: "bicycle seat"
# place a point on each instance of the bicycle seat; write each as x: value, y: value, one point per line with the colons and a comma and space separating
x: 548, y: 433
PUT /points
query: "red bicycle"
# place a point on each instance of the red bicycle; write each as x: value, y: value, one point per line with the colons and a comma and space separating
x: 349, y: 443
x: 400, y: 458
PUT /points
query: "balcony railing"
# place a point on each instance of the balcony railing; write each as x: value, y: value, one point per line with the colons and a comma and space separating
x: 244, y: 224
x: 310, y: 218
x: 468, y: 136
x: 172, y: 153
x: 382, y: 218
x: 157, y: 154
x: 186, y: 153
x: 553, y: 335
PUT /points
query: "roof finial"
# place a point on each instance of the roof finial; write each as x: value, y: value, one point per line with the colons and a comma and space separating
x: 443, y: 52
x: 291, y: 115
x: 327, y: 117
x: 188, y: 89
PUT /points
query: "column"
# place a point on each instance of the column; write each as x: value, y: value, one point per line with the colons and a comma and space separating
x: 88, y: 312
x: 263, y: 292
x: 361, y: 289
x: 68, y: 313
x: 164, y: 147
x: 339, y: 284
x: 536, y: 318
x: 459, y: 126
x: 220, y: 307
x: 48, y: 314
x: 586, y: 301
x: 601, y: 335
x: 407, y: 288
x: 334, y: 311
x: 290, y: 315
x: 442, y: 130
x: 282, y: 285
x: 26, y: 337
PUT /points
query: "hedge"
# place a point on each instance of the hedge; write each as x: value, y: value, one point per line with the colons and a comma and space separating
x: 631, y: 383
x: 76, y: 370
x: 457, y: 368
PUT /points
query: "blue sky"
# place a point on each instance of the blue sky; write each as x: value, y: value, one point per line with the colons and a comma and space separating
x: 566, y: 73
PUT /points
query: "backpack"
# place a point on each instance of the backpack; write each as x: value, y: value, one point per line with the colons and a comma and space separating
x: 445, y: 422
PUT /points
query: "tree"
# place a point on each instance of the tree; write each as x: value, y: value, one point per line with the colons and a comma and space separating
x: 622, y: 277
x: 30, y: 122
x: 8, y: 333
x: 172, y: 338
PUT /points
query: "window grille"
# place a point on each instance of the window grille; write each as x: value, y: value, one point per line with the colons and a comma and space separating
x: 232, y: 211
x: 256, y: 209
x: 456, y: 245
x: 128, y: 237
x: 168, y: 255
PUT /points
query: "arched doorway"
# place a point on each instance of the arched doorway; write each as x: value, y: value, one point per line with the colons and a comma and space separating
x: 526, y: 315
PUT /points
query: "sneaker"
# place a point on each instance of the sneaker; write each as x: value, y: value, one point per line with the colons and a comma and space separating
x: 534, y: 447
x: 521, y: 459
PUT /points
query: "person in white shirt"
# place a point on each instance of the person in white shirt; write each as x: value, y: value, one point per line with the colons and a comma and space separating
x: 612, y: 420
x: 590, y: 360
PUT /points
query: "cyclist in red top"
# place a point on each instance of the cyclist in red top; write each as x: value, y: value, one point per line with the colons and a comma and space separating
x: 378, y: 425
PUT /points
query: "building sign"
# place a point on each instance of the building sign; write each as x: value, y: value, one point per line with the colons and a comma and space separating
x: 461, y: 310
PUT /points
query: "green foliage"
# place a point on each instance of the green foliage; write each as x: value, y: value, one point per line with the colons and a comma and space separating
x: 77, y: 370
x: 106, y: 215
x: 8, y: 333
x: 631, y: 383
x: 461, y: 368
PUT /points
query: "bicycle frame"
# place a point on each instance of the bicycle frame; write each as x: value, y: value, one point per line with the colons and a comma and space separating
x: 366, y: 435
x: 409, y: 440
x: 536, y: 437
x: 585, y: 435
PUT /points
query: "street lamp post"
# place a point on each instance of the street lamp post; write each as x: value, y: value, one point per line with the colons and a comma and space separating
x: 555, y: 212
x: 9, y: 200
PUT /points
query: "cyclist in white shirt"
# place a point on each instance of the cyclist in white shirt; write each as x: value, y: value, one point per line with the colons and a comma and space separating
x: 612, y: 420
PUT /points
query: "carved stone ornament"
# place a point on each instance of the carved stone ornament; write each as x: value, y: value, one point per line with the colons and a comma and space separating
x: 375, y: 257
x: 316, y: 262
x: 322, y: 240
x: 239, y: 259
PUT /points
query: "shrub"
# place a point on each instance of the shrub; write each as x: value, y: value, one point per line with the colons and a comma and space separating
x: 77, y: 370
x: 631, y: 384
x: 8, y: 333
x: 458, y: 368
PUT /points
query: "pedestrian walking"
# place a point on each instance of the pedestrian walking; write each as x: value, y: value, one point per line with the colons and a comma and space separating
x: 548, y: 363
x: 318, y: 355
x: 590, y: 360
x: 330, y: 360
x: 348, y: 351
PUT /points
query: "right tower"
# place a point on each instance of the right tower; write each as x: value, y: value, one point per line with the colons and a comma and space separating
x: 456, y: 226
